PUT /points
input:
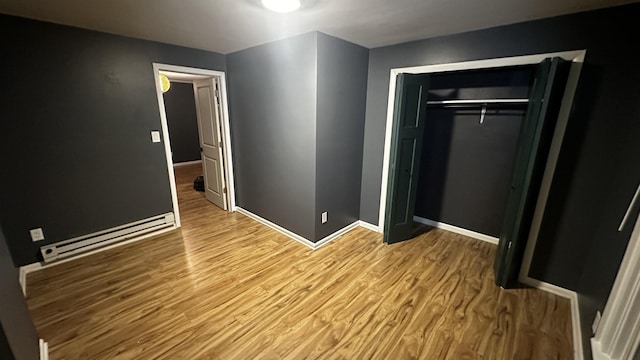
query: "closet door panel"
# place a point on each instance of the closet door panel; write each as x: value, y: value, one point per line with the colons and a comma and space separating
x: 406, y: 147
x: 533, y: 148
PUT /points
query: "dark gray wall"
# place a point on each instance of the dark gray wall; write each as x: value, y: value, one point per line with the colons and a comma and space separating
x: 467, y: 167
x: 272, y: 104
x: 75, y: 142
x: 342, y: 87
x: 578, y: 247
x: 180, y: 106
x: 5, y: 350
x: 17, y: 333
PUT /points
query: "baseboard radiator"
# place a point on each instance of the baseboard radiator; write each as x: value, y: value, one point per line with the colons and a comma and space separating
x: 77, y: 245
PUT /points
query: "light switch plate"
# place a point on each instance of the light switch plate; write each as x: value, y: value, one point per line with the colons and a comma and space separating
x: 155, y: 136
x: 36, y: 234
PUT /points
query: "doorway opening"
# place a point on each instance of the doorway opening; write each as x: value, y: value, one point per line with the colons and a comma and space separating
x: 214, y: 137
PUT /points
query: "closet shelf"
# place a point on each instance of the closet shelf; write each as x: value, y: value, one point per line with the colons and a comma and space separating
x: 476, y: 102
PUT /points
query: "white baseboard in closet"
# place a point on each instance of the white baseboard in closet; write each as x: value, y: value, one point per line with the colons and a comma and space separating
x: 457, y: 230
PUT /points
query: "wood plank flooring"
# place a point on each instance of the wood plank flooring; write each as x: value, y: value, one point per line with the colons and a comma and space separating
x: 226, y: 287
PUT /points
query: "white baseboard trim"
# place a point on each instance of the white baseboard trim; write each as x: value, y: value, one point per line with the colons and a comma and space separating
x: 187, y: 163
x: 22, y: 279
x: 578, y: 352
x: 310, y: 244
x: 336, y: 234
x: 369, y: 226
x: 44, y: 350
x: 27, y: 269
x: 596, y: 351
x: 457, y: 230
x: 24, y: 271
x: 275, y: 227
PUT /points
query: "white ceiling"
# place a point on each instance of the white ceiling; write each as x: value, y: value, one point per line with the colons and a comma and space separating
x: 229, y: 25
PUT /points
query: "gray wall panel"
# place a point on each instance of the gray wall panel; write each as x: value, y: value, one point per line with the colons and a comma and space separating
x: 342, y: 84
x: 272, y: 91
x: 75, y: 142
x: 5, y: 350
x: 180, y: 105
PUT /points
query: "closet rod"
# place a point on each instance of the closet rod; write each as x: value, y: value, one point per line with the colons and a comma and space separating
x: 477, y: 102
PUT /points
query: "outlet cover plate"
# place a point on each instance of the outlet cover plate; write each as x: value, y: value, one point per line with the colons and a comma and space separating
x: 36, y: 234
x: 324, y: 217
x: 155, y: 136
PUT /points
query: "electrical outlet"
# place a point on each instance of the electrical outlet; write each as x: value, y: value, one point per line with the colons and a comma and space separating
x: 36, y: 234
x: 324, y: 217
x: 596, y: 322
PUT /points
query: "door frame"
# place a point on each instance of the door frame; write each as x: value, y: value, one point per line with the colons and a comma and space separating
x: 224, y: 123
x: 617, y: 335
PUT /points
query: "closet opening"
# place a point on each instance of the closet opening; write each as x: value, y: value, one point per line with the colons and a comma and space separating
x: 473, y: 118
x: 472, y: 147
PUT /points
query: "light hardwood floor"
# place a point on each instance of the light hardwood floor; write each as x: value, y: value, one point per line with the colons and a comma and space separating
x: 226, y: 287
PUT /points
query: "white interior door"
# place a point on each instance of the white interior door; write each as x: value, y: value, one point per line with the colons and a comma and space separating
x: 208, y: 113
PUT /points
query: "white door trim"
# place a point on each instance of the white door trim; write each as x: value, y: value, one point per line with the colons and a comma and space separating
x: 618, y: 334
x: 226, y: 132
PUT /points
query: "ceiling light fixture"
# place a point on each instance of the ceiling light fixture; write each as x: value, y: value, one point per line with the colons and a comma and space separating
x: 282, y: 6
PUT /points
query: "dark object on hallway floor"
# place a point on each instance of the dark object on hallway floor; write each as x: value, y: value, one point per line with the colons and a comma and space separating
x: 198, y: 183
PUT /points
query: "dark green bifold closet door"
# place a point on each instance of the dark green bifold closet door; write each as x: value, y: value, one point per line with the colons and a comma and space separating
x: 531, y: 157
x: 406, y: 150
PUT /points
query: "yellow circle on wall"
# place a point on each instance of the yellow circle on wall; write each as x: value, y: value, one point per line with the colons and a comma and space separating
x: 165, y: 84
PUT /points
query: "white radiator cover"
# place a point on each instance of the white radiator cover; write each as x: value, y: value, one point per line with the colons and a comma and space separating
x: 80, y: 244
